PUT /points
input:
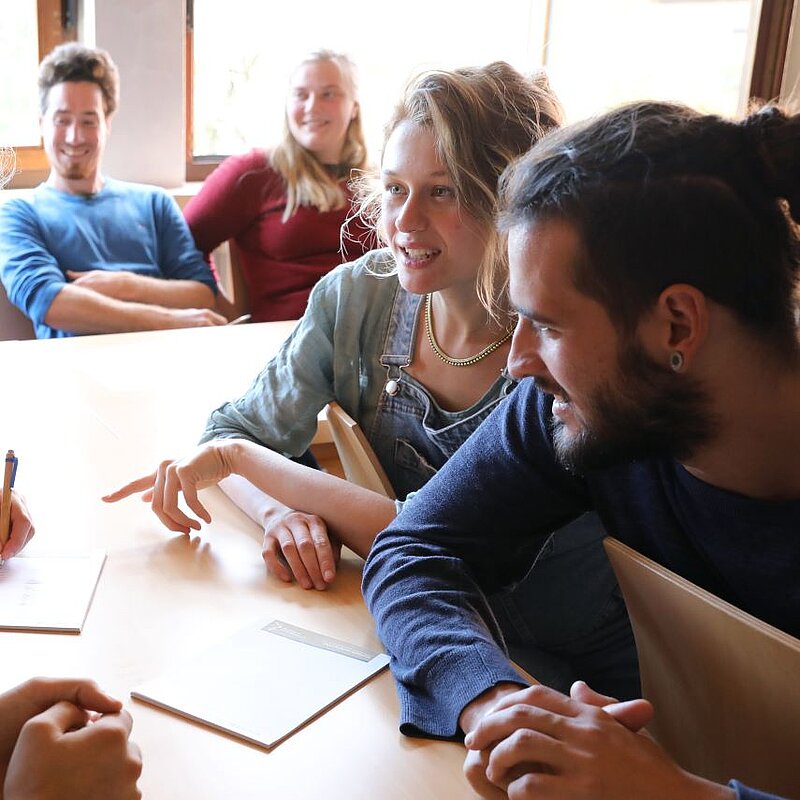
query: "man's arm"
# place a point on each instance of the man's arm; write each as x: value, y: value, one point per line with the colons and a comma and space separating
x: 80, y: 310
x: 472, y: 529
x: 100, y: 301
x: 35, y: 282
x: 133, y: 288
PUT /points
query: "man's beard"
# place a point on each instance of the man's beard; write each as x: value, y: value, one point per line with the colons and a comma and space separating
x: 648, y: 411
x: 75, y: 172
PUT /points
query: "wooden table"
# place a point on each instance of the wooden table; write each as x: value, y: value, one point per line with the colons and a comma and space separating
x: 86, y: 415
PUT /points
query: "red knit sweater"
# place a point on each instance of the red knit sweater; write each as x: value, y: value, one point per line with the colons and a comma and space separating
x: 244, y: 199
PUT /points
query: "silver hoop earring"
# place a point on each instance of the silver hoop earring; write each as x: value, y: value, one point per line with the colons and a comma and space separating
x: 676, y: 361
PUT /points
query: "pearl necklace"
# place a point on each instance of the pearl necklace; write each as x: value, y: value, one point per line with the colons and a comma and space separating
x: 458, y: 362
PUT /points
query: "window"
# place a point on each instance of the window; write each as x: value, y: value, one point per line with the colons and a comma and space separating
x: 30, y: 30
x: 712, y: 54
x: 679, y: 50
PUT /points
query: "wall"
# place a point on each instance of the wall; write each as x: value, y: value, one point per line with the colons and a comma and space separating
x: 145, y: 39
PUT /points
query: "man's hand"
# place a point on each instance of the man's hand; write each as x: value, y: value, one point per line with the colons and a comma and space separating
x: 195, y: 318
x: 538, y: 743
x: 477, y: 761
x: 64, y: 754
x: 23, y: 702
x: 298, y: 544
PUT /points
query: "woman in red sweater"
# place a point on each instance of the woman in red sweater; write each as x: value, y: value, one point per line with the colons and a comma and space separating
x: 284, y: 209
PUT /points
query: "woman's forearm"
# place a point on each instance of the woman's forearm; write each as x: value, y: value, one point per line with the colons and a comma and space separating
x: 268, y: 481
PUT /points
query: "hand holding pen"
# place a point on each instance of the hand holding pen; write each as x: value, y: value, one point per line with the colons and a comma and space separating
x: 16, y: 528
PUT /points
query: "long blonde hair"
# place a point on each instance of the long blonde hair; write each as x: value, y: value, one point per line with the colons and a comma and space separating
x: 308, y: 182
x: 483, y: 118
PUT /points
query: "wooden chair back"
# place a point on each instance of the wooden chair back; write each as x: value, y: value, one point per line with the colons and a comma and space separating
x: 13, y: 323
x: 724, y: 684
x: 359, y: 462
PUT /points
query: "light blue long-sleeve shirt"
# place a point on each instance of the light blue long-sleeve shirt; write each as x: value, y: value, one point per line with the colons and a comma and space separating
x: 125, y: 226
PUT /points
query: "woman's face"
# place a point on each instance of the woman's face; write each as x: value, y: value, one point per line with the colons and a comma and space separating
x: 436, y: 244
x: 319, y: 109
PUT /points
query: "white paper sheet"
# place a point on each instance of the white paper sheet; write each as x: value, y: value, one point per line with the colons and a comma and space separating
x: 263, y: 683
x: 48, y: 592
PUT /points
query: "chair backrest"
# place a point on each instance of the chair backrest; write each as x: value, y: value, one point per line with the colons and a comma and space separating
x: 723, y: 683
x: 13, y: 323
x: 359, y: 462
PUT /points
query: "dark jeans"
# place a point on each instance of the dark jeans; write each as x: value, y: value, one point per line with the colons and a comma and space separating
x: 566, y: 619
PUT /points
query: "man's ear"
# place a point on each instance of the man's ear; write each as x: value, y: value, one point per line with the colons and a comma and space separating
x: 681, y: 316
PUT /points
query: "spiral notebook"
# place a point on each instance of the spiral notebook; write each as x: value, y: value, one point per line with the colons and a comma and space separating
x: 264, y: 682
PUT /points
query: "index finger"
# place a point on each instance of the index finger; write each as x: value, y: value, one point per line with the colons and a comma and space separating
x: 139, y: 485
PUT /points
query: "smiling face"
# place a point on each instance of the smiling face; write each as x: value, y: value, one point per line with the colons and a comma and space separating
x: 611, y: 401
x: 436, y: 244
x: 74, y: 130
x: 319, y: 109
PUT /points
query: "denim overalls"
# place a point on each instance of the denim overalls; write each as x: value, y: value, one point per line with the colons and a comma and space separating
x: 566, y: 618
x: 411, y: 435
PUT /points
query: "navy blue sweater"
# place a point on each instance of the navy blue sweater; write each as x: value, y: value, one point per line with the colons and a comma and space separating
x: 479, y: 522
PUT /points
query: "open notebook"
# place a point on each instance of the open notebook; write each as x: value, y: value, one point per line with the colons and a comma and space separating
x: 263, y: 683
x: 48, y: 592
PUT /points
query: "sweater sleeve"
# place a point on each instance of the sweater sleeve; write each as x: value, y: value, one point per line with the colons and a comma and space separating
x: 745, y: 793
x: 230, y: 199
x: 178, y: 257
x: 31, y: 275
x: 472, y: 528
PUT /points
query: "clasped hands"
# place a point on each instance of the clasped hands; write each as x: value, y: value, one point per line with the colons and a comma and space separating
x: 538, y: 744
x: 63, y: 739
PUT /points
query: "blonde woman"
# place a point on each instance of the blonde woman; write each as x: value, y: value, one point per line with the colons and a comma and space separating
x: 284, y: 209
x: 412, y: 342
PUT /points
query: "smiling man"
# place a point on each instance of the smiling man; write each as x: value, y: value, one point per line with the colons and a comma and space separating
x: 654, y: 265
x: 86, y: 253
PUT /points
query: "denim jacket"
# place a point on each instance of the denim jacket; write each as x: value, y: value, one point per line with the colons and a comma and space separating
x: 357, y: 333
